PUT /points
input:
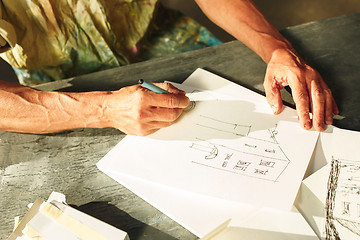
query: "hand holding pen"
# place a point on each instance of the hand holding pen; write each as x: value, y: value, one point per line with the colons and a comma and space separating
x: 143, y: 109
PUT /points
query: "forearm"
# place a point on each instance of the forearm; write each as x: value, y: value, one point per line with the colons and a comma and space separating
x: 245, y: 22
x: 284, y: 67
x: 24, y: 109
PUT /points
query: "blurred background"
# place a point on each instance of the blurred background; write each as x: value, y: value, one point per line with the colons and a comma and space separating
x: 281, y: 13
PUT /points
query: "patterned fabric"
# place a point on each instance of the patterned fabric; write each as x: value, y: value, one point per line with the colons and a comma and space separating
x: 58, y: 39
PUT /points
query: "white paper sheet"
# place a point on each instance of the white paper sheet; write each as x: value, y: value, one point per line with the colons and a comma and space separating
x: 229, y: 147
x: 312, y: 198
x: 201, y: 214
x: 266, y: 224
x: 329, y: 199
x: 323, y: 151
x: 343, y: 197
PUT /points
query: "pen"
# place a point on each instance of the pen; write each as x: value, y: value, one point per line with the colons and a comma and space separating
x: 157, y: 89
x: 151, y: 87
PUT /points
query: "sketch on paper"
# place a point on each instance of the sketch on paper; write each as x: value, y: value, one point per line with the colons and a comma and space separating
x: 343, y: 199
x: 255, y: 155
x: 211, y: 151
x: 229, y: 134
x: 223, y: 126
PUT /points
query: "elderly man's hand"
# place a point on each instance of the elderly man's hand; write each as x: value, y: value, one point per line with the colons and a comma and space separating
x: 136, y: 110
x: 285, y: 68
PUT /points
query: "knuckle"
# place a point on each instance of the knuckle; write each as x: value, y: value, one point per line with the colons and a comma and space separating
x: 298, y: 73
x: 310, y: 70
x: 173, y: 115
x: 319, y: 94
x: 139, y: 115
x: 172, y: 101
x: 304, y: 114
x: 167, y: 85
x: 140, y: 96
x: 302, y: 97
x: 312, y: 73
x: 269, y: 84
x: 327, y: 92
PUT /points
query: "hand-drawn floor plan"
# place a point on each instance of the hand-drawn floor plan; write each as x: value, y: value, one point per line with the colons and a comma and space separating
x: 255, y: 157
x: 343, y: 198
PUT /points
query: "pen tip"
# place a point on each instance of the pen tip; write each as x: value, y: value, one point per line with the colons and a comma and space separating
x: 141, y: 81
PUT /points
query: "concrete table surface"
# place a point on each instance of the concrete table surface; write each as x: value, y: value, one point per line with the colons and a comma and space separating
x: 32, y: 166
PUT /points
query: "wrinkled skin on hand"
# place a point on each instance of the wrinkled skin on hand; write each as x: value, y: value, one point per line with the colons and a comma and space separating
x: 136, y: 110
x: 309, y: 90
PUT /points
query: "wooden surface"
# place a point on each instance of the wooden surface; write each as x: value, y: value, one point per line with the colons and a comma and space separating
x: 32, y: 166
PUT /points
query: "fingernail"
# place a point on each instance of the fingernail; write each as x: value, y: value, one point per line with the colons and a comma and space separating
x: 274, y: 109
x: 307, y: 125
x: 329, y: 120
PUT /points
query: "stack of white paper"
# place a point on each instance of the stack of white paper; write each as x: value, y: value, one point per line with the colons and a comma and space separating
x: 55, y: 220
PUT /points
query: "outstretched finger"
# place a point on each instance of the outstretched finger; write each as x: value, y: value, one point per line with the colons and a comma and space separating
x: 273, y: 95
x: 318, y: 105
x: 301, y: 99
x: 330, y: 105
x: 335, y: 109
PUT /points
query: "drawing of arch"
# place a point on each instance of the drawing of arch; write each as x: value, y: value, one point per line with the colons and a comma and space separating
x: 210, y: 149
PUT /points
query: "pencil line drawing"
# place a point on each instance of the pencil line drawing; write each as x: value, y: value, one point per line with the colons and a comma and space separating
x: 273, y: 133
x: 210, y: 149
x: 343, y: 198
x: 234, y: 128
x: 222, y: 126
x: 267, y: 163
x: 259, y: 157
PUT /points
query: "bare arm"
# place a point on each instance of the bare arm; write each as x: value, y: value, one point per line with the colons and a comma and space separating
x: 133, y: 110
x: 245, y: 22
